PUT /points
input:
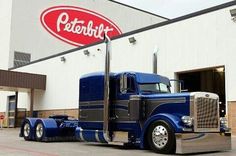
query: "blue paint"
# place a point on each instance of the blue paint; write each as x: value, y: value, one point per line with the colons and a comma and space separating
x: 91, y: 125
x: 91, y: 107
x: 50, y: 127
x: 170, y: 108
x: 89, y: 135
x: 92, y: 85
x: 151, y: 78
x: 101, y: 137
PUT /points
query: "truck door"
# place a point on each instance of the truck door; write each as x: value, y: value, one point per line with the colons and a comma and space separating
x: 125, y: 87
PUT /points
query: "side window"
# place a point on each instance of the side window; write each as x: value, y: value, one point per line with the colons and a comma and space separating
x: 127, y: 84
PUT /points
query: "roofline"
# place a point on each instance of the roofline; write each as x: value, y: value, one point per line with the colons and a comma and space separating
x: 181, y: 18
x: 147, y: 12
x: 195, y: 14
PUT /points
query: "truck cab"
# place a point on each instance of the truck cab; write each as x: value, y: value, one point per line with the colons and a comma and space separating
x: 145, y: 113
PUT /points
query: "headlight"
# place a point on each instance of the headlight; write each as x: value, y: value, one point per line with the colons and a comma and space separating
x: 223, y: 121
x: 187, y: 120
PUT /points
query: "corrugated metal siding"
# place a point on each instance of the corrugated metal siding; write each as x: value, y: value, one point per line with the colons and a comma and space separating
x: 22, y: 80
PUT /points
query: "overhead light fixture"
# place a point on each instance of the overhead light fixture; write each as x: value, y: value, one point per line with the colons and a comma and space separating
x: 233, y: 14
x: 63, y: 59
x: 86, y: 52
x: 220, y: 69
x: 132, y: 40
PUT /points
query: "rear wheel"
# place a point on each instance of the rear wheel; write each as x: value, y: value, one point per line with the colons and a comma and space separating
x: 161, y: 137
x: 39, y: 131
x: 26, y: 131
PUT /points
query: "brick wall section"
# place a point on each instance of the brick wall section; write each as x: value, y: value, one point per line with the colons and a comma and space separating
x: 44, y: 114
x: 232, y: 116
x: 69, y: 112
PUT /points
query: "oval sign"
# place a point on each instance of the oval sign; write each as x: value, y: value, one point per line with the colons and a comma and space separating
x: 77, y: 26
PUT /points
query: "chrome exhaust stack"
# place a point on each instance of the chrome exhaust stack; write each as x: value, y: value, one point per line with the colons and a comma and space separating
x: 106, y: 90
x: 154, y: 61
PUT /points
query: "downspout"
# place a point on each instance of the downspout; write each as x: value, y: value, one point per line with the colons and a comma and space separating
x: 106, y: 90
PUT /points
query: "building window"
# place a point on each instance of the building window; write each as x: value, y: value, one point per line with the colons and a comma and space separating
x: 21, y: 59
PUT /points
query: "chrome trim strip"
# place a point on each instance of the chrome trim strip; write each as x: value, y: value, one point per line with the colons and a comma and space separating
x: 125, y: 122
x: 92, y: 109
x: 81, y: 134
x: 101, y: 102
x: 92, y: 121
x: 96, y: 136
x: 166, y: 99
x: 91, y: 104
x: 112, y: 121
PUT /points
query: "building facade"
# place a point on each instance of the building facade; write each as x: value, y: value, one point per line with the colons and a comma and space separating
x: 198, y: 48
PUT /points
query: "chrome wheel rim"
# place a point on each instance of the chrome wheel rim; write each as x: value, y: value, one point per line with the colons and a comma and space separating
x: 26, y: 130
x: 160, y: 136
x: 39, y: 130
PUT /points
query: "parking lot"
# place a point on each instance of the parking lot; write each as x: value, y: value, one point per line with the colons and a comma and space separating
x: 12, y: 145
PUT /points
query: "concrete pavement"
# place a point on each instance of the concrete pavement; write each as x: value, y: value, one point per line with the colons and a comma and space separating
x: 12, y: 145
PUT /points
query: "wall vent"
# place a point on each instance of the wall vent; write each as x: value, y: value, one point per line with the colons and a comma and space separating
x: 21, y: 59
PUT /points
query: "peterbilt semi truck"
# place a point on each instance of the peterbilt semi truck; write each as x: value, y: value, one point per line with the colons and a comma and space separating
x: 138, y: 109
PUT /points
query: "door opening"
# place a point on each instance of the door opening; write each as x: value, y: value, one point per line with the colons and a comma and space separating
x: 208, y: 80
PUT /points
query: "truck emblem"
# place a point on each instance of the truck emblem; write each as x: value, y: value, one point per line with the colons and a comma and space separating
x: 207, y: 95
x: 77, y: 26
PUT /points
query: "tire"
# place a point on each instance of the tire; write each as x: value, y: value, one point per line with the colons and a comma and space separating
x: 161, y: 137
x: 26, y: 131
x: 39, y: 131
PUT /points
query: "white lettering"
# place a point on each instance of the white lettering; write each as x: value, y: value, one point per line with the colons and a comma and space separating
x: 77, y: 26
x: 61, y: 21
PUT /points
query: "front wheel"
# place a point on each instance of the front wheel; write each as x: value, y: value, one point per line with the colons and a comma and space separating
x: 161, y: 137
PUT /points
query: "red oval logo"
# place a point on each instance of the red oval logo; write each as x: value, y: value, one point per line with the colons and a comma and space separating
x: 77, y: 26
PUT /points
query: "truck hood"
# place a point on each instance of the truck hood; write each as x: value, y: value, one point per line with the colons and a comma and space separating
x: 177, y: 104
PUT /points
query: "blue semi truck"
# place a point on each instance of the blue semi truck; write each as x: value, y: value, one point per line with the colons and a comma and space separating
x: 133, y: 108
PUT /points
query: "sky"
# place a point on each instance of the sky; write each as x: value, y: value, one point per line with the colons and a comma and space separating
x: 172, y: 8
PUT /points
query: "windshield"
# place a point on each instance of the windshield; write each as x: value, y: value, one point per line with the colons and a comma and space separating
x: 155, y: 87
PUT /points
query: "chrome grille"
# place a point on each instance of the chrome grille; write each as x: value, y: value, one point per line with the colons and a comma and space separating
x: 206, y: 114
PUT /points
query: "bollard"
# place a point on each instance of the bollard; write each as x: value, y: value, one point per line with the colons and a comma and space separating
x: 1, y: 124
x: 1, y: 121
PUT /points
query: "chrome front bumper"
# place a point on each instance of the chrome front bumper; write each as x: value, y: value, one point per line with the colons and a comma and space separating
x: 202, y: 142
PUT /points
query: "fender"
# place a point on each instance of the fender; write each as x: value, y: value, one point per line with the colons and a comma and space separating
x: 31, y: 122
x: 173, y: 120
x: 50, y: 127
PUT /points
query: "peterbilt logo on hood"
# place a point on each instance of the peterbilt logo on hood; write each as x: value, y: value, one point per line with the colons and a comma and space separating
x: 77, y: 26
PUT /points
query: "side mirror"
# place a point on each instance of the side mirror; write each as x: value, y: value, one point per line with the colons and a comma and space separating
x: 179, y: 85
